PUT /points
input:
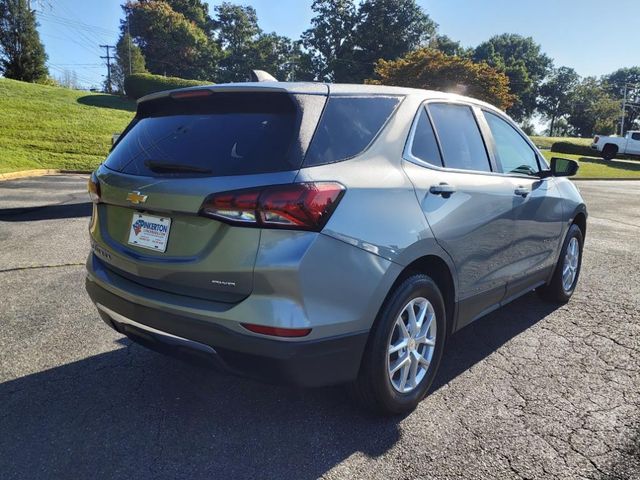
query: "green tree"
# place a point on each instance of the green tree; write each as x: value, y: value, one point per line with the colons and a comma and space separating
x: 593, y: 109
x: 614, y: 84
x: 330, y: 39
x: 128, y: 60
x: 556, y: 95
x: 431, y: 69
x: 388, y: 29
x: 171, y: 43
x: 447, y: 45
x: 237, y: 30
x: 246, y: 47
x: 522, y: 61
x: 22, y: 55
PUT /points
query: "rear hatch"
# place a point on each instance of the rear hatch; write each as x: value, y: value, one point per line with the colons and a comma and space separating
x: 178, y: 151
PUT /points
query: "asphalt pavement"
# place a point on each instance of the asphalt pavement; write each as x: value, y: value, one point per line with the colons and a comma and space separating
x: 530, y: 391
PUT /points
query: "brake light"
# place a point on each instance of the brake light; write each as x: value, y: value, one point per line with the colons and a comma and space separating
x: 299, y: 206
x: 596, y: 139
x: 191, y: 94
x: 93, y: 186
x: 277, y: 331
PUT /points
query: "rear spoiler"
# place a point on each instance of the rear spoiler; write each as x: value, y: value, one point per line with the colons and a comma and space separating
x: 308, y: 88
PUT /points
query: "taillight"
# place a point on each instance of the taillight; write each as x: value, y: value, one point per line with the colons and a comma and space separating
x: 93, y: 186
x: 596, y: 139
x: 277, y: 331
x: 299, y: 206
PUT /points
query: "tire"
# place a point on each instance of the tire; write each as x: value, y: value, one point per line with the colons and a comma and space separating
x: 609, y: 152
x: 374, y: 388
x: 556, y: 291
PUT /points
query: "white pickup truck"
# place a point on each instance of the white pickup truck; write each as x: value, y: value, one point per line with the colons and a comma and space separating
x: 609, y: 147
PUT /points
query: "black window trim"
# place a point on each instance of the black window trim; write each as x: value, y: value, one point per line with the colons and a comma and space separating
x: 481, y: 130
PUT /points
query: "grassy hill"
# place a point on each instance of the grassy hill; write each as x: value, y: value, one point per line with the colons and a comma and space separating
x: 52, y: 127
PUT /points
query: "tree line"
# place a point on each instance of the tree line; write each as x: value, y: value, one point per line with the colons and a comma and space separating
x: 375, y: 41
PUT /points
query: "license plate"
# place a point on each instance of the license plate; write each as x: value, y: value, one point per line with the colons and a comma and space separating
x: 148, y: 231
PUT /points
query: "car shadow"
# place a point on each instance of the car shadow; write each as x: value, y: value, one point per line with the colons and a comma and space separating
x: 108, y: 101
x: 132, y: 413
x: 45, y: 212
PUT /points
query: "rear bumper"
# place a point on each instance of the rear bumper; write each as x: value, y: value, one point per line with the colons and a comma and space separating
x: 307, y: 363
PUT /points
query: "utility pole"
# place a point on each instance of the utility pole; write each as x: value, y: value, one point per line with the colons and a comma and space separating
x: 129, y: 37
x: 624, y: 106
x: 108, y: 58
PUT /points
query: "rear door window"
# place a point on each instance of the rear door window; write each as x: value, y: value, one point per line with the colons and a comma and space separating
x: 347, y: 127
x: 220, y: 135
x: 460, y: 139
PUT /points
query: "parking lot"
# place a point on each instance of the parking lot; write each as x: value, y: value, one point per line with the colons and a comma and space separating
x: 530, y: 391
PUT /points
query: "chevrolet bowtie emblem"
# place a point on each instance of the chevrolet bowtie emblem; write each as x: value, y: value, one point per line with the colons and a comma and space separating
x: 136, y: 197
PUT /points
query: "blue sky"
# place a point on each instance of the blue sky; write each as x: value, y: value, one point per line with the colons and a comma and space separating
x: 584, y: 34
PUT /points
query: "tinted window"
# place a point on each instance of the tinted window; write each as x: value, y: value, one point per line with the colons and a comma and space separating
x: 513, y: 152
x: 460, y: 140
x: 347, y: 127
x: 424, y: 146
x: 635, y: 136
x: 224, y: 134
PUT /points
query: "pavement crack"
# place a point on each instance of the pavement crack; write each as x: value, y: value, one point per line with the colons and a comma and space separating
x: 35, y: 267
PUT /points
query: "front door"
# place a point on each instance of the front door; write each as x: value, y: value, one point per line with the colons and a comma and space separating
x: 469, y: 208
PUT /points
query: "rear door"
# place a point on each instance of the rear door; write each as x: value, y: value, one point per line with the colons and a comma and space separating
x: 633, y: 144
x: 179, y: 150
x: 537, y: 204
x: 468, y: 207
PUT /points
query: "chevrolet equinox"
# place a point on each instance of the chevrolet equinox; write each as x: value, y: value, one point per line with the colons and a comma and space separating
x: 317, y: 234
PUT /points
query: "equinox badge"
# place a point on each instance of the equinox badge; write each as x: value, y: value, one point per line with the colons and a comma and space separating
x: 136, y: 197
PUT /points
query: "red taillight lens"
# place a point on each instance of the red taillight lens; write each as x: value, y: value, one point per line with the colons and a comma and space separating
x: 300, y: 206
x: 190, y: 94
x: 93, y: 186
x: 277, y: 331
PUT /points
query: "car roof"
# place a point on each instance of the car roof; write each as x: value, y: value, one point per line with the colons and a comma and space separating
x: 319, y: 88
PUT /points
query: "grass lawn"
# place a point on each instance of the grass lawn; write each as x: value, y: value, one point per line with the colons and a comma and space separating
x: 546, y: 142
x: 57, y: 128
x: 592, y: 167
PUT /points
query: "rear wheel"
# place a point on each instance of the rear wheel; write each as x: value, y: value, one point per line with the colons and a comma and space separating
x: 404, y: 349
x: 609, y: 151
x: 565, y: 277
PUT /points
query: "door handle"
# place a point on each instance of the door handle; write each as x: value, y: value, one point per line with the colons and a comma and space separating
x: 522, y: 191
x: 443, y: 189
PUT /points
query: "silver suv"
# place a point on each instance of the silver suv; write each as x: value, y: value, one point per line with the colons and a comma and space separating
x: 319, y: 234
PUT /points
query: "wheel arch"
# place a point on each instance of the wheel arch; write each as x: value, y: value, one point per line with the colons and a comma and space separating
x: 441, y: 272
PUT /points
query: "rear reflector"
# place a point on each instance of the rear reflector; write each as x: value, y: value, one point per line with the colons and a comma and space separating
x: 298, y: 206
x: 93, y: 186
x: 276, y: 331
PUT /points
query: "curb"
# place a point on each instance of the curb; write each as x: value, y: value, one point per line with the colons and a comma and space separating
x: 38, y: 173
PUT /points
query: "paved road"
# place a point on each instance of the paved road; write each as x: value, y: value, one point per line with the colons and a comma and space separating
x: 528, y: 392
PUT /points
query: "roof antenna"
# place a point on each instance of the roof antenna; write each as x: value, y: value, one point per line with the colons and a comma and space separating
x: 262, y: 76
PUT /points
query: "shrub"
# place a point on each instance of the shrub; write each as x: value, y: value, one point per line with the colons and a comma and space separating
x: 574, y: 149
x: 141, y: 84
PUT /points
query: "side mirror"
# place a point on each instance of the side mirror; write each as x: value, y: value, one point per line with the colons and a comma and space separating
x: 563, y: 167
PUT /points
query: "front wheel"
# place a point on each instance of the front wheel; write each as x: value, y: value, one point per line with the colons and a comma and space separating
x: 404, y: 348
x: 565, y: 277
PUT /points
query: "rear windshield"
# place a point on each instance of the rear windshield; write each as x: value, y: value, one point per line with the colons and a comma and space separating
x: 348, y: 125
x: 225, y: 133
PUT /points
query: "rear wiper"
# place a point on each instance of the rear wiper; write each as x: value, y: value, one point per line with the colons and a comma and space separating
x: 161, y: 167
